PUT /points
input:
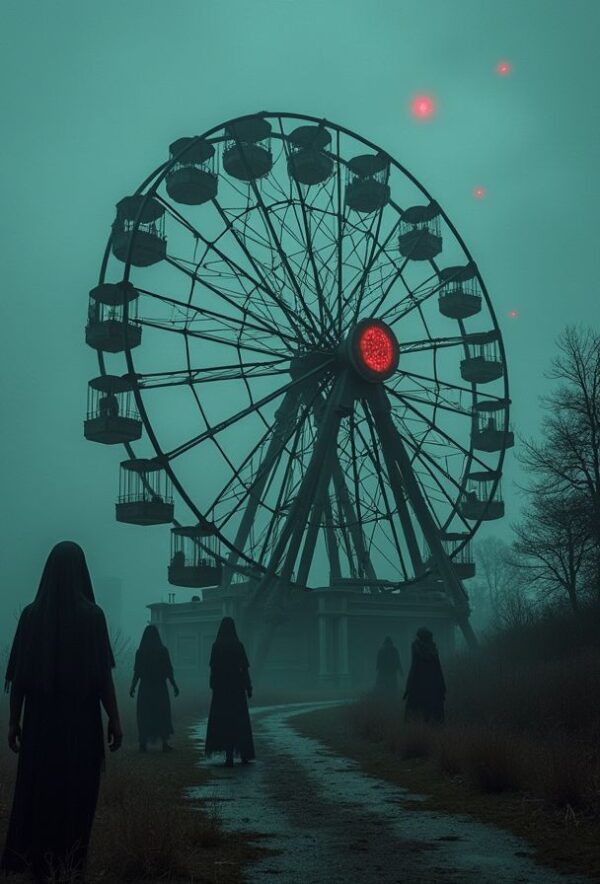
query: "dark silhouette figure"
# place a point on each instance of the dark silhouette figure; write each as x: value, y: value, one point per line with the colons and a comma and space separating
x: 388, y: 668
x: 425, y: 687
x: 228, y: 727
x: 178, y: 560
x: 60, y: 669
x: 108, y: 405
x: 152, y: 669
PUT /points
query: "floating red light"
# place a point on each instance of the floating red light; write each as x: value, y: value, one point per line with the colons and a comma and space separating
x: 422, y: 106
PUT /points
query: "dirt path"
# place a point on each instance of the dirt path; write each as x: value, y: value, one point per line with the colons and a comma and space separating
x: 333, y: 824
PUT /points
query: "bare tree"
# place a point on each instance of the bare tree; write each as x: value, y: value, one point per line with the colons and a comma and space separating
x: 565, y: 464
x: 500, y: 595
x: 552, y: 544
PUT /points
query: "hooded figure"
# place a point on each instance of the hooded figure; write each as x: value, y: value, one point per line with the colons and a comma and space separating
x: 228, y: 727
x: 60, y: 668
x: 425, y: 687
x: 152, y: 669
x: 388, y: 668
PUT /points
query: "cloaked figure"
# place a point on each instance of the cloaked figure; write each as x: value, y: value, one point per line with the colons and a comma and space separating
x: 388, y: 668
x: 425, y: 687
x: 60, y: 671
x: 152, y: 669
x: 228, y: 727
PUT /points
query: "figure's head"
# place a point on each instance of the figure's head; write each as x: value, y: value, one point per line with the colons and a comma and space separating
x: 388, y: 641
x: 150, y: 637
x: 424, y: 634
x: 227, y: 631
x: 65, y: 572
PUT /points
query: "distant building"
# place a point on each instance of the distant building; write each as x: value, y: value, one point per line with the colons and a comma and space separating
x: 329, y: 637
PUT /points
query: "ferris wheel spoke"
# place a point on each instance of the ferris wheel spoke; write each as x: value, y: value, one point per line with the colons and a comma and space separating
x: 442, y: 405
x: 398, y: 275
x: 263, y: 471
x: 414, y: 303
x: 237, y: 300
x: 220, y: 317
x: 435, y: 428
x: 270, y: 537
x: 373, y: 307
x: 341, y: 221
x: 452, y: 501
x: 230, y: 225
x: 422, y: 455
x: 351, y: 432
x: 239, y: 271
x: 206, y: 336
x: 365, y: 276
x: 433, y: 344
x: 255, y: 406
x: 314, y: 331
x: 438, y: 382
x: 367, y: 269
x: 372, y: 449
x: 160, y: 379
x: 307, y: 237
x: 239, y: 304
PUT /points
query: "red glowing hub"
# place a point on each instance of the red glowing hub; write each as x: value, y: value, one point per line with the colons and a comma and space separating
x: 503, y: 68
x: 479, y: 192
x: 374, y: 350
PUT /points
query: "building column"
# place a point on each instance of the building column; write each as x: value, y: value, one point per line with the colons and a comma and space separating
x: 323, y: 667
x: 343, y: 664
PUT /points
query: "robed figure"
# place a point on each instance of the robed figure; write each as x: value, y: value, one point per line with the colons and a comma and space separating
x: 59, y: 670
x: 388, y: 668
x: 228, y: 727
x: 152, y: 669
x: 425, y: 687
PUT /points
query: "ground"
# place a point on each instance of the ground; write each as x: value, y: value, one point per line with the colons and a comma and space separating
x: 328, y: 822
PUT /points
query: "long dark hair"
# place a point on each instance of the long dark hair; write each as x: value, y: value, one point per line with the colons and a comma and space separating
x: 51, y: 650
x: 151, y: 656
x: 227, y: 633
x: 150, y: 640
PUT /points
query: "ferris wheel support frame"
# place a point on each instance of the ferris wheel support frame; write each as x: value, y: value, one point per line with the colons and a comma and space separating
x: 391, y: 439
x: 286, y: 413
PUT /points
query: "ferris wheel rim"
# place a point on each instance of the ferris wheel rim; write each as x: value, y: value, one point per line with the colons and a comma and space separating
x: 150, y: 185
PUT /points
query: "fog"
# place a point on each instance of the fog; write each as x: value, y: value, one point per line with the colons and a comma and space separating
x: 93, y: 94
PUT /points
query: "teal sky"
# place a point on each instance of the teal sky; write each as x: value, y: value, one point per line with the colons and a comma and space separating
x: 93, y: 93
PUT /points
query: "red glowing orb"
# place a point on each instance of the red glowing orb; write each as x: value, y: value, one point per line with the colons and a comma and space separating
x: 377, y: 349
x: 422, y: 107
x: 479, y: 192
x: 503, y: 68
x: 513, y: 314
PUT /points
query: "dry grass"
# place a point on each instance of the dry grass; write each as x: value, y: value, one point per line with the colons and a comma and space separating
x: 145, y: 829
x: 521, y: 745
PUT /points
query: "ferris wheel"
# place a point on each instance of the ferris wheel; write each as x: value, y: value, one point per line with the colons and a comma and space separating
x: 302, y: 342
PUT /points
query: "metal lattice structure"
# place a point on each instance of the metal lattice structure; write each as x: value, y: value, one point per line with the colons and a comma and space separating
x: 312, y: 353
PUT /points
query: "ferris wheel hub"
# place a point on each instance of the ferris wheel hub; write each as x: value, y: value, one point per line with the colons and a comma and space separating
x: 373, y: 350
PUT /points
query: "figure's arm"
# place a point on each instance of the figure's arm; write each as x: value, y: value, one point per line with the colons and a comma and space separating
x: 134, y: 683
x: 245, y: 671
x: 108, y: 698
x: 14, y: 724
x: 106, y: 687
x: 170, y: 676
